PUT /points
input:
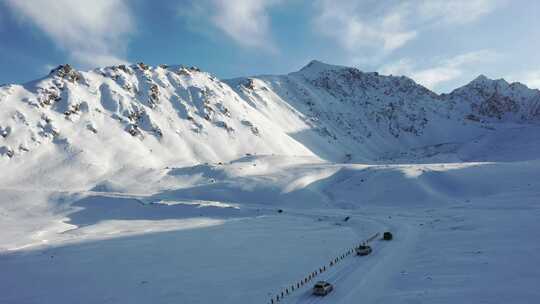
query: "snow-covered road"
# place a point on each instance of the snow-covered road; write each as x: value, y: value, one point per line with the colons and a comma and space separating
x: 363, y: 276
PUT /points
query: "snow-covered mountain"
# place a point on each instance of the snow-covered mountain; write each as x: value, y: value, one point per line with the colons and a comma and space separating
x: 138, y: 184
x: 361, y: 115
x: 484, y: 99
x: 108, y: 118
x: 105, y: 119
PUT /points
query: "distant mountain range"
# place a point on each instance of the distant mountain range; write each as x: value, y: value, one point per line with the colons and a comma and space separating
x: 117, y: 116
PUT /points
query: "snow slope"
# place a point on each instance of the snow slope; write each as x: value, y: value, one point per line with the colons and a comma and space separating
x: 458, y: 234
x: 366, y: 116
x: 107, y: 119
x: 137, y: 184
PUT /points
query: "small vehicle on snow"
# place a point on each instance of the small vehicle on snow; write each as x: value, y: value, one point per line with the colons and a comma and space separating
x: 387, y: 236
x: 322, y: 288
x: 363, y: 250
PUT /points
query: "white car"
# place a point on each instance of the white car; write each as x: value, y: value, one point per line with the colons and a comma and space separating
x: 363, y: 250
x: 322, y: 288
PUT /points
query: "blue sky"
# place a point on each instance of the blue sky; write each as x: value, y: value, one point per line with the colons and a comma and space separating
x: 441, y: 44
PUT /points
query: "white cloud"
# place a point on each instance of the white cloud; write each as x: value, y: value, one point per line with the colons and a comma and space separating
x: 245, y: 21
x: 530, y: 78
x: 97, y: 59
x: 456, y: 11
x: 93, y: 32
x: 376, y: 28
x: 431, y: 77
x: 401, y: 67
x: 345, y: 22
x: 440, y: 71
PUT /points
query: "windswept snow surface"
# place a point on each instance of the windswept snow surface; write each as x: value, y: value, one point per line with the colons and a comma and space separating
x: 137, y: 184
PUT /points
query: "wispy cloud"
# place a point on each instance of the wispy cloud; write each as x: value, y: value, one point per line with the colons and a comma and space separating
x: 452, y: 12
x: 440, y: 71
x: 94, y: 32
x: 530, y: 78
x: 247, y: 22
x: 377, y: 28
x: 353, y: 29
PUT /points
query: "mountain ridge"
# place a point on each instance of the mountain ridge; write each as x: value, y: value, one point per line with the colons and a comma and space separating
x: 313, y: 65
x: 108, y: 118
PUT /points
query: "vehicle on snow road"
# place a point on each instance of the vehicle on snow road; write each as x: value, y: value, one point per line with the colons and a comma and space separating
x: 363, y: 250
x: 322, y: 288
x: 387, y: 236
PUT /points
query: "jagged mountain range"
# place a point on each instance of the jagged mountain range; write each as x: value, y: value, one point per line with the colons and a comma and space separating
x: 108, y: 118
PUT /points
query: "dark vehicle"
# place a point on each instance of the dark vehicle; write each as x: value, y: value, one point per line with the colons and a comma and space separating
x: 387, y: 236
x: 363, y: 250
x: 322, y: 288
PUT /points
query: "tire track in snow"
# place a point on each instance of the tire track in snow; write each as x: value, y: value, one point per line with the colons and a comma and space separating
x: 372, y: 271
x: 344, y: 267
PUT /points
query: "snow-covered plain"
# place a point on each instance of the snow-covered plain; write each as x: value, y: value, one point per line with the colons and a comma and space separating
x: 112, y: 194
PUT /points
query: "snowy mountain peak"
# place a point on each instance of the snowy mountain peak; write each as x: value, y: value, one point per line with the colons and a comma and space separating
x: 483, y: 81
x: 496, y: 100
x: 481, y: 78
x: 317, y: 71
x: 65, y: 71
x: 316, y: 67
x: 487, y: 86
